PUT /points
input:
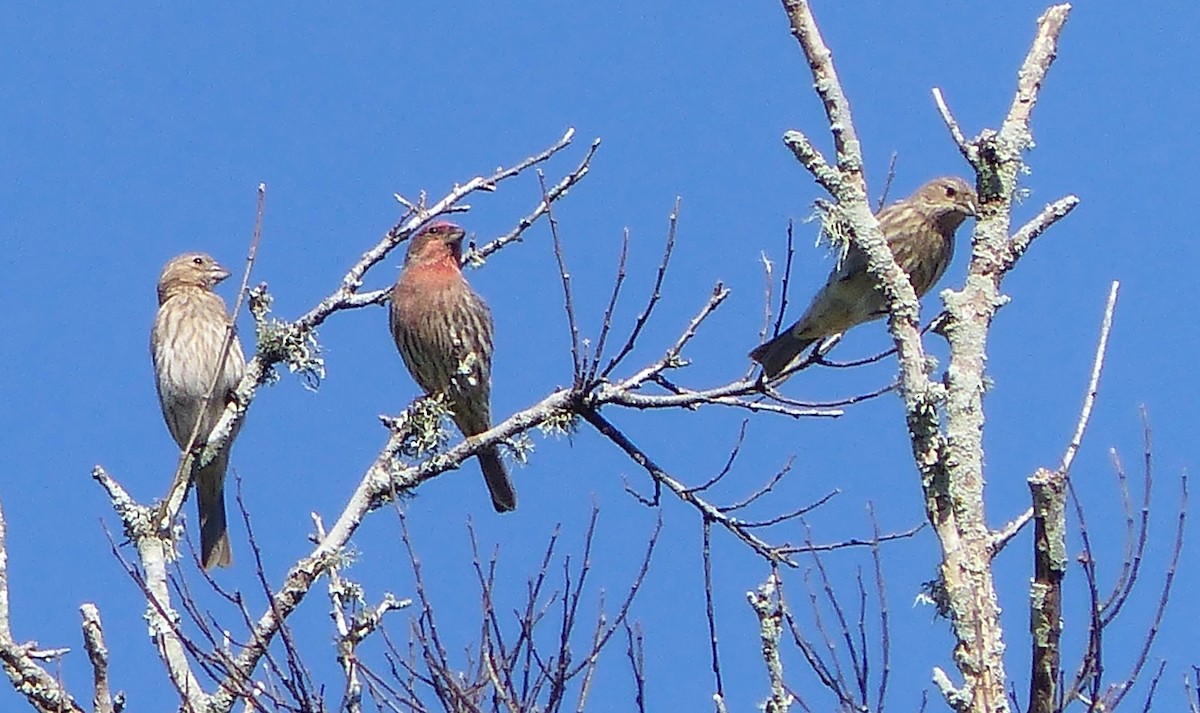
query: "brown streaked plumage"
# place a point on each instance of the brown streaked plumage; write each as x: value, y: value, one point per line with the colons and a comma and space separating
x: 443, y: 330
x: 185, y: 345
x: 920, y: 233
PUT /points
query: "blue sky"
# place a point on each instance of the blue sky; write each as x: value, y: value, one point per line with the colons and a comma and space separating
x: 132, y: 134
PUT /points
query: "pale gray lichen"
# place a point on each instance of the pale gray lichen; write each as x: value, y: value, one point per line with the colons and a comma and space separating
x: 279, y: 341
x: 934, y: 592
x: 472, y: 258
x: 675, y: 361
x: 560, y: 423
x: 300, y: 350
x: 259, y: 303
x: 424, y: 426
x: 468, y: 369
x: 350, y: 592
x: 834, y: 229
x: 345, y: 557
x: 520, y: 445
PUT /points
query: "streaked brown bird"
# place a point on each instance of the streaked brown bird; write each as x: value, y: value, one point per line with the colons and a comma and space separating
x: 920, y: 233
x: 443, y: 330
x: 186, y: 344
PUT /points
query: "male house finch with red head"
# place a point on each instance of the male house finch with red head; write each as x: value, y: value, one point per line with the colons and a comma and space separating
x: 444, y: 333
x: 185, y: 344
x: 920, y: 233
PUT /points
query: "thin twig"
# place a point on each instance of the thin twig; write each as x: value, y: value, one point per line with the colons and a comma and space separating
x: 565, y: 274
x: 855, y: 542
x: 1094, y: 382
x: 956, y: 133
x: 1020, y: 241
x: 1163, y: 599
x: 1009, y: 531
x: 606, y: 321
x: 887, y: 182
x: 554, y: 194
x: 655, y: 293
x: 709, y: 609
x: 885, y: 644
x: 785, y: 284
x: 661, y: 477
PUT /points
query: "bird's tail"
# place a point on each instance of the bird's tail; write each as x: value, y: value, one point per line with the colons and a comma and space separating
x: 210, y: 499
x: 504, y: 497
x: 779, y: 353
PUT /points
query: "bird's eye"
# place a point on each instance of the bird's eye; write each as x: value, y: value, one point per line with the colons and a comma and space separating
x: 197, y: 261
x: 951, y: 191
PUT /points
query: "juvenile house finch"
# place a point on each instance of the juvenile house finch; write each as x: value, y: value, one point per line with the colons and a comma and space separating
x: 919, y: 232
x: 185, y: 344
x: 444, y: 333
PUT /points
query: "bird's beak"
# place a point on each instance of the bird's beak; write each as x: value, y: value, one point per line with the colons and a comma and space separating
x: 218, y: 273
x: 455, y: 235
x: 973, y: 207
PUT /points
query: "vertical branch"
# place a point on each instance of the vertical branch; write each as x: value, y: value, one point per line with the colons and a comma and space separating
x: 885, y: 643
x: 606, y: 322
x: 637, y: 663
x: 577, y: 360
x: 1089, y: 399
x: 829, y: 88
x: 97, y: 651
x: 154, y: 552
x: 768, y: 607
x: 950, y: 460
x: 1049, y: 491
x: 955, y: 504
x: 709, y: 612
x: 784, y: 287
x: 847, y: 185
x: 163, y: 617
x: 352, y: 694
x: 655, y: 293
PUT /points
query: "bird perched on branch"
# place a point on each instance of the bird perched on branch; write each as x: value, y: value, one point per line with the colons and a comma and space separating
x: 444, y: 333
x: 187, y: 345
x: 920, y: 233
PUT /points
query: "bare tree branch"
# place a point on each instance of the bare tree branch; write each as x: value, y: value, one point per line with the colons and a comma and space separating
x: 293, y: 343
x: 1002, y: 537
x: 655, y: 294
x: 768, y: 607
x: 577, y: 360
x: 526, y: 671
x: 154, y: 553
x: 950, y: 461
x: 93, y: 643
x: 660, y: 476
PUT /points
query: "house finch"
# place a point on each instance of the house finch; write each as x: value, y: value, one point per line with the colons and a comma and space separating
x: 185, y: 344
x: 919, y: 232
x: 444, y: 333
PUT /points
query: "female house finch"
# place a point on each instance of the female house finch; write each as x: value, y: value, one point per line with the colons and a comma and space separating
x: 444, y: 333
x: 920, y: 233
x: 185, y: 344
